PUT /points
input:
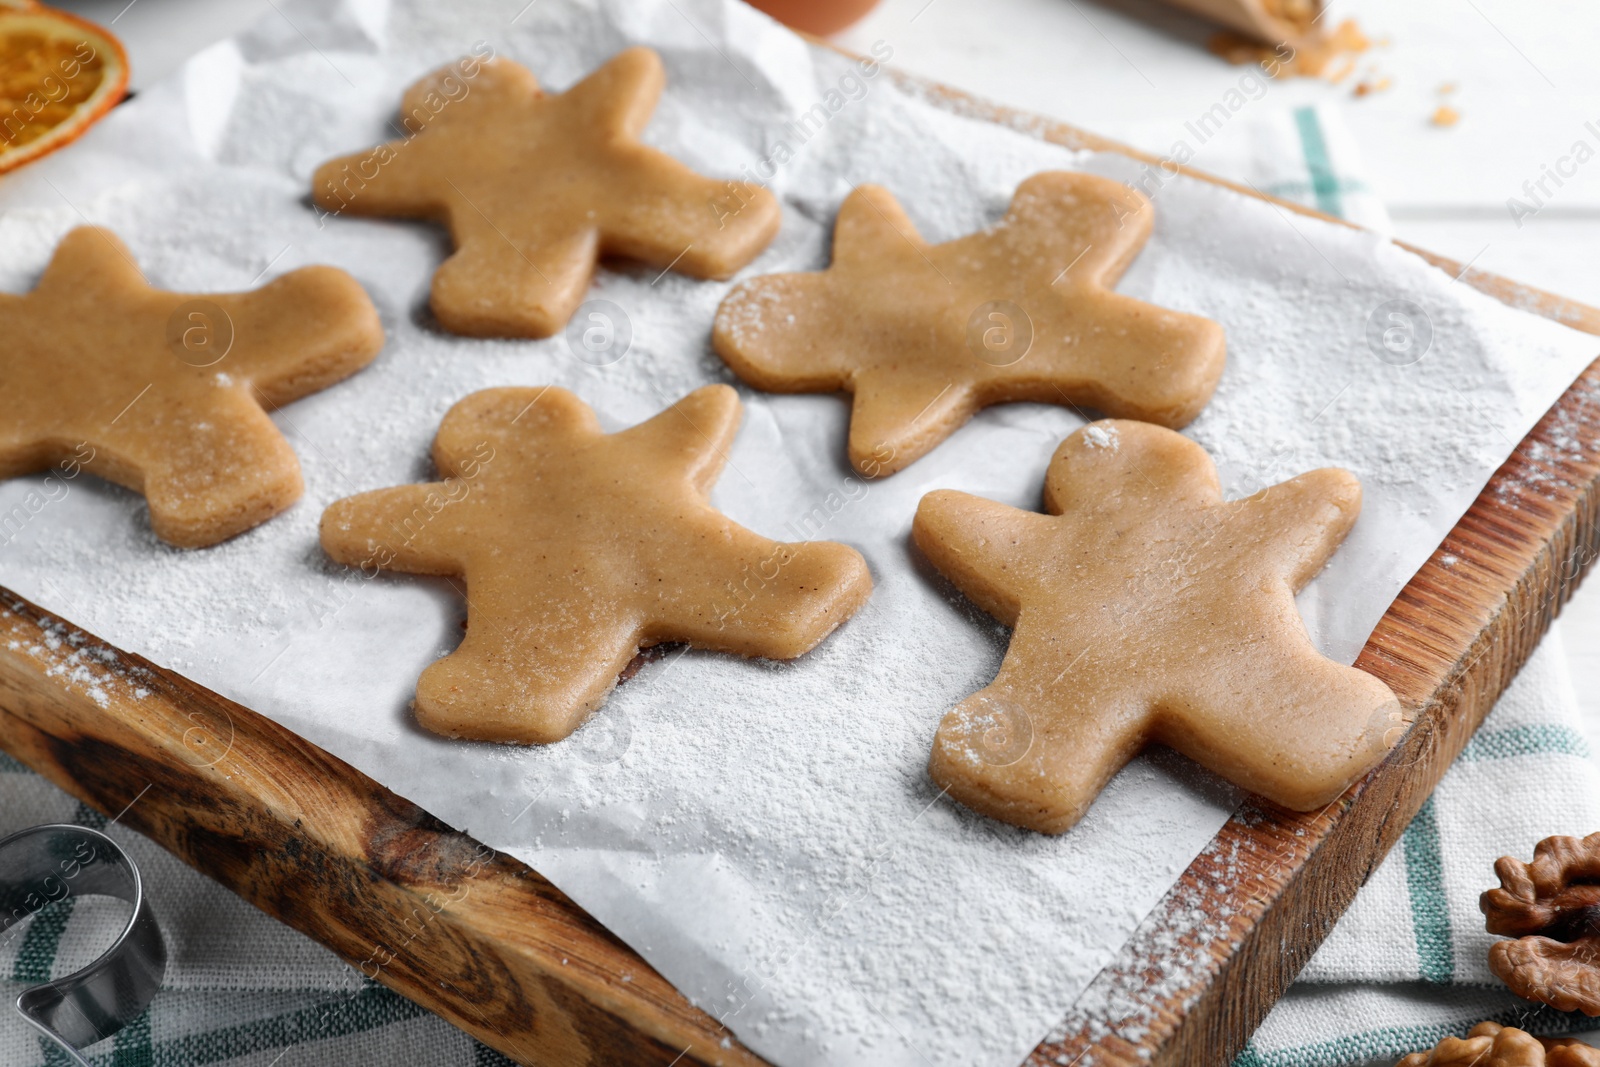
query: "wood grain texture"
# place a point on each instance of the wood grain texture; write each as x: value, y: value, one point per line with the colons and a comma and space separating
x: 472, y: 935
x: 494, y: 948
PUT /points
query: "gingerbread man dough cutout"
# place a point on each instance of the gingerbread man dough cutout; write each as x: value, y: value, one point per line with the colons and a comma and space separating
x: 580, y: 547
x: 163, y: 392
x: 536, y: 187
x: 926, y: 335
x: 1147, y: 609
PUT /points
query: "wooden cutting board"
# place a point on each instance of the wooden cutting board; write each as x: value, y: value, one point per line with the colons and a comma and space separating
x: 490, y: 945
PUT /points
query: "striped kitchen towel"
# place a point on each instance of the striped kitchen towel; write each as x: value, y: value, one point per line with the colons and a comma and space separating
x: 1408, y: 963
x: 241, y: 989
x: 1303, y: 154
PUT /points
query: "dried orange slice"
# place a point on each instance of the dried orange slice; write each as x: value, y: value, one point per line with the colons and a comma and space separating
x: 58, y: 76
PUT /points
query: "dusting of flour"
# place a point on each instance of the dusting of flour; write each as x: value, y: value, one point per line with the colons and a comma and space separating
x: 764, y: 834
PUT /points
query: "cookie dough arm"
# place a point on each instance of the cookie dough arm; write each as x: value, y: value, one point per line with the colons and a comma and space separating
x: 621, y: 94
x: 735, y: 591
x: 873, y: 232
x: 783, y: 333
x: 1282, y: 721
x: 1300, y: 523
x: 978, y: 545
x: 1142, y: 362
x: 296, y: 335
x: 666, y: 215
x: 466, y: 89
x: 393, y: 529
x: 90, y: 264
x: 692, y: 436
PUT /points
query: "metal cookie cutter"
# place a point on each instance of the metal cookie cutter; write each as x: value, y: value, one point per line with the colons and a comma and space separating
x: 49, y: 863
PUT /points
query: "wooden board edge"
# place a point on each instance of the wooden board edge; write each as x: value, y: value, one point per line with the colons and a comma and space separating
x: 472, y: 935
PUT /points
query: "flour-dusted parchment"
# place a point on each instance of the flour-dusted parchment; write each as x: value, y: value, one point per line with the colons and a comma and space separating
x: 765, y: 834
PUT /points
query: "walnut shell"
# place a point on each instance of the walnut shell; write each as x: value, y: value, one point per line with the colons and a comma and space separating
x: 1492, y: 1045
x: 1552, y: 908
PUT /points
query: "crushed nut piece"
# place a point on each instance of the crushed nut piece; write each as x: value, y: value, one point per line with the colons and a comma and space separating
x: 1445, y: 115
x: 1552, y: 908
x: 1492, y: 1045
x: 1315, y: 56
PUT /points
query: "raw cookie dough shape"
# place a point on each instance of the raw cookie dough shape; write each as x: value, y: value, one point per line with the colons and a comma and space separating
x: 580, y: 547
x: 536, y: 187
x: 1147, y: 609
x: 99, y: 370
x: 902, y: 324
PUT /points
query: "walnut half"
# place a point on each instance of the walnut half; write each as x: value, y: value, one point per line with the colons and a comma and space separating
x: 1552, y: 907
x: 1492, y: 1045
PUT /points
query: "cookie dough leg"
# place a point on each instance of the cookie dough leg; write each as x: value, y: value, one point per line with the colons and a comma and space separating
x: 670, y: 216
x: 529, y: 677
x: 895, y: 419
x: 212, y: 480
x: 1036, y: 752
x: 499, y: 285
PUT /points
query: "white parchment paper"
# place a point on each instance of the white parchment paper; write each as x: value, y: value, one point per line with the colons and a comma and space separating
x: 764, y: 834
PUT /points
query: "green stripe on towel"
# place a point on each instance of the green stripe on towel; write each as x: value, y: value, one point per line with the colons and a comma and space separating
x: 1324, y: 183
x: 1537, y: 739
x: 1430, y: 913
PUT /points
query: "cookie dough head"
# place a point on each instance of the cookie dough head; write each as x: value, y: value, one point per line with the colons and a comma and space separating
x: 579, y: 547
x: 163, y: 392
x: 536, y: 187
x: 926, y: 335
x: 1147, y: 609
